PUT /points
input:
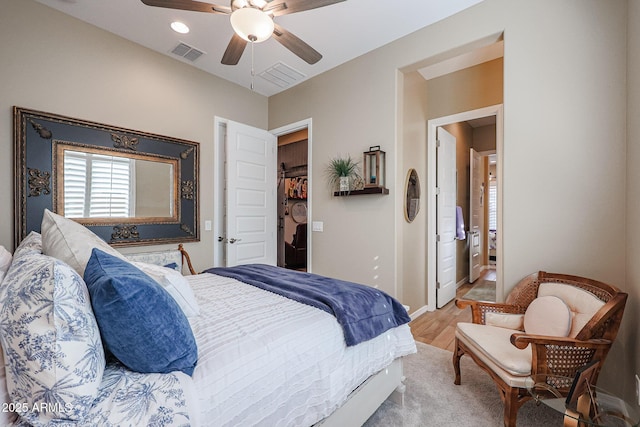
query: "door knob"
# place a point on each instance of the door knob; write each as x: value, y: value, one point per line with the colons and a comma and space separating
x: 233, y: 240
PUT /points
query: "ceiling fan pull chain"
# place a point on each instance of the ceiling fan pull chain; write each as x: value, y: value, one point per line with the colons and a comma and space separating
x: 253, y: 73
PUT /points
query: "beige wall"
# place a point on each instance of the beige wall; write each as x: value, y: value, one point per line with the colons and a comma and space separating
x: 628, y: 347
x: 54, y: 63
x: 569, y: 81
x: 412, y: 251
x: 359, y: 238
x: 466, y: 90
x: 484, y: 138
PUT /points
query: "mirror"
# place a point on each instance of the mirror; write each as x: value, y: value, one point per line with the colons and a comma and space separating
x: 128, y: 187
x: 101, y: 186
x: 412, y: 195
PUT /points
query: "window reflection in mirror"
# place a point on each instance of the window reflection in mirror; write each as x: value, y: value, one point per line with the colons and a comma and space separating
x: 100, y: 185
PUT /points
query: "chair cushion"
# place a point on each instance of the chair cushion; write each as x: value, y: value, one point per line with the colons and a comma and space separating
x: 50, y: 339
x: 505, y: 320
x: 141, y: 325
x: 494, y: 342
x: 548, y: 315
x: 70, y: 241
x: 583, y: 304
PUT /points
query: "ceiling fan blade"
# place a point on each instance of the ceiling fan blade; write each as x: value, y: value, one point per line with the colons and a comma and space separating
x: 285, y: 7
x: 195, y: 6
x: 234, y: 50
x: 295, y: 45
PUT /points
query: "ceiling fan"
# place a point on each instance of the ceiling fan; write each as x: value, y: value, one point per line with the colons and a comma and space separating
x: 252, y: 21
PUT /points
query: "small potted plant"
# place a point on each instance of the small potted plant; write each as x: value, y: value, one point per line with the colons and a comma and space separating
x: 340, y: 172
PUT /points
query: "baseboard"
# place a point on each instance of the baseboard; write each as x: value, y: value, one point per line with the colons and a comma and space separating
x: 419, y: 312
x: 462, y: 282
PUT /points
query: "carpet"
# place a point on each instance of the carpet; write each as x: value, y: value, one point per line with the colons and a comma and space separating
x: 431, y: 398
x: 484, y: 290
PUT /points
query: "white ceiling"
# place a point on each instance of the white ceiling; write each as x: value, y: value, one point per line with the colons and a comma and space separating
x: 340, y: 32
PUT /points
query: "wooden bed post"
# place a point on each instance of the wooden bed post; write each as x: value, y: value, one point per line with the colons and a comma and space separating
x: 185, y: 256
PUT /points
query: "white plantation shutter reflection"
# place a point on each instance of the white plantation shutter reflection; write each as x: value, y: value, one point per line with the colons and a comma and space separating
x: 493, y: 205
x: 97, y: 186
x: 75, y: 179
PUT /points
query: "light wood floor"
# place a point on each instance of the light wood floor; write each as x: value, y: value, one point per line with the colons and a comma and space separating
x: 438, y: 327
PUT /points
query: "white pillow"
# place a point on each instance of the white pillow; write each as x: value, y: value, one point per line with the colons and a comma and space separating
x: 5, y: 262
x: 583, y: 304
x: 548, y: 315
x: 71, y: 242
x: 175, y: 284
x: 505, y: 320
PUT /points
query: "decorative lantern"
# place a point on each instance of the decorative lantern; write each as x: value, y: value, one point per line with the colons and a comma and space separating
x: 374, y: 167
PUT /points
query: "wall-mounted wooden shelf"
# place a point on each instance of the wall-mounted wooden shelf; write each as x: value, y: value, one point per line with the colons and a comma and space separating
x: 366, y: 190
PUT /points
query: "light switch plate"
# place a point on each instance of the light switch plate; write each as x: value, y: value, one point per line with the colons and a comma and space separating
x: 207, y: 226
x: 317, y: 226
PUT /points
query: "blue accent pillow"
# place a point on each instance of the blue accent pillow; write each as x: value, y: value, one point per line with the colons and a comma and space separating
x: 140, y: 323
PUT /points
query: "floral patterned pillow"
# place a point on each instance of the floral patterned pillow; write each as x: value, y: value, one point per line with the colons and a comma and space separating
x: 31, y: 244
x: 53, y: 352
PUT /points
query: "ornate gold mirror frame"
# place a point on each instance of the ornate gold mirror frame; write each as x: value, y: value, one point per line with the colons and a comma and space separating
x: 128, y: 187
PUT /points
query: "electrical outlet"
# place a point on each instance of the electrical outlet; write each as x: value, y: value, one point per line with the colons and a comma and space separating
x: 638, y: 388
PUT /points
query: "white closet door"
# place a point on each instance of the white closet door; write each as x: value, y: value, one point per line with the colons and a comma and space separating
x: 446, y: 218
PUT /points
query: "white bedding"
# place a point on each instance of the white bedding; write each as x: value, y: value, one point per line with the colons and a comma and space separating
x: 252, y: 357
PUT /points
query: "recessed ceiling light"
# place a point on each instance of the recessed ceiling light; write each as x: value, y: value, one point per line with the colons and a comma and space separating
x: 179, y: 27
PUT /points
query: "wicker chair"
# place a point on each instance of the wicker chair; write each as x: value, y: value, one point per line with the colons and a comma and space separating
x: 557, y: 356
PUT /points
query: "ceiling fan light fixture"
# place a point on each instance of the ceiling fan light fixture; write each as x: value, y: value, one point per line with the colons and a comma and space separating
x: 260, y: 4
x: 252, y: 24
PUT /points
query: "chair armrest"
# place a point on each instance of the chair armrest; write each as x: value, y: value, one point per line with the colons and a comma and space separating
x: 561, y: 356
x: 523, y: 340
x: 480, y: 308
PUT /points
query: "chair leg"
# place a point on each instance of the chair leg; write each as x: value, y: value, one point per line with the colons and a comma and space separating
x: 511, y: 406
x: 457, y: 354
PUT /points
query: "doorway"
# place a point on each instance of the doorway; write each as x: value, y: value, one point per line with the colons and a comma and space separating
x: 293, y: 189
x: 222, y: 218
x: 245, y: 195
x: 494, y: 113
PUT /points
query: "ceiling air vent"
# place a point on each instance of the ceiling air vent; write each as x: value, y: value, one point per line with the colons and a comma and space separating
x: 187, y: 52
x: 282, y: 75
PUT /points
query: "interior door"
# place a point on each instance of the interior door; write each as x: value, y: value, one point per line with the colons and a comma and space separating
x: 446, y: 218
x: 251, y: 180
x: 476, y: 195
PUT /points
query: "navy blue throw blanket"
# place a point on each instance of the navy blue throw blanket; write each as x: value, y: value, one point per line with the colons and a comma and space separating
x: 362, y: 311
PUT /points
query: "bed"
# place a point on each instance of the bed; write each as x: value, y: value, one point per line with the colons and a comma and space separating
x: 262, y: 358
